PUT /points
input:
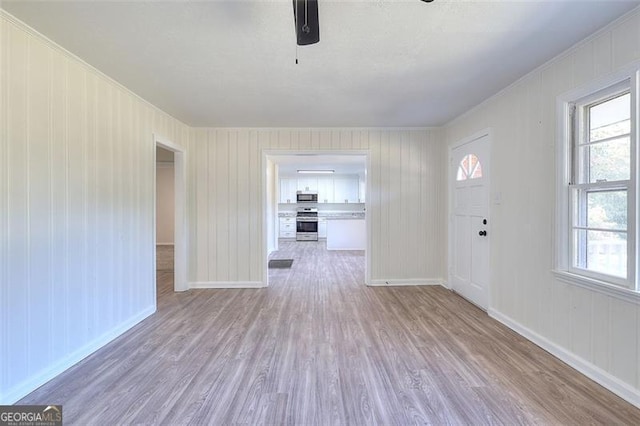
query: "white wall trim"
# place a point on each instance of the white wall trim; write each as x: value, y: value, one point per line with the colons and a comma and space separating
x: 405, y: 282
x: 274, y: 151
x: 226, y: 284
x: 602, y: 287
x: 368, y: 223
x: 180, y: 216
x: 11, y: 396
x: 615, y: 385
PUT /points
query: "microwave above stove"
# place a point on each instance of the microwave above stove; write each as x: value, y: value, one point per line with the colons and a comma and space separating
x: 306, y: 197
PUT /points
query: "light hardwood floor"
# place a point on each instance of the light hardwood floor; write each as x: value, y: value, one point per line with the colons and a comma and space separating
x: 319, y: 347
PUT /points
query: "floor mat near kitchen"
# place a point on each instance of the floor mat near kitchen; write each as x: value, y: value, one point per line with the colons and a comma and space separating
x: 280, y: 263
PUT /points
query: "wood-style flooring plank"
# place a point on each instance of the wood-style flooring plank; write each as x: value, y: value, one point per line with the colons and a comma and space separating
x: 319, y: 347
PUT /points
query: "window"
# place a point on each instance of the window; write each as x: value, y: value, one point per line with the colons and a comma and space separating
x: 597, y: 188
x: 469, y: 168
x: 600, y: 186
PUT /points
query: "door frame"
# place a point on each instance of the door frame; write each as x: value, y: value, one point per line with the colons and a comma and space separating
x: 450, y: 187
x: 180, y: 279
x: 367, y: 223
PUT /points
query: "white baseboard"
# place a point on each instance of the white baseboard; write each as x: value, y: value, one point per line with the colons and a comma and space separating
x: 405, y: 282
x: 164, y: 244
x: 226, y: 284
x: 598, y: 375
x: 34, y: 382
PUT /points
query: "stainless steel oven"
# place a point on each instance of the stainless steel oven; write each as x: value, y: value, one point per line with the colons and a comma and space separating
x: 307, y: 224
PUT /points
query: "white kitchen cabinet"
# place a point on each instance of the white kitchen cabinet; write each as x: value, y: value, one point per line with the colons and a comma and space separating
x: 345, y: 189
x: 288, y: 188
x: 325, y: 190
x: 287, y: 227
x: 346, y: 234
x: 340, y: 189
x: 307, y: 184
x: 322, y: 227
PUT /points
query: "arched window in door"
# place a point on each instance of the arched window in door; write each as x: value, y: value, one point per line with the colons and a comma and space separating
x: 469, y: 168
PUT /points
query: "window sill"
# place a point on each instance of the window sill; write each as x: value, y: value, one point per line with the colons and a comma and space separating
x: 599, y: 286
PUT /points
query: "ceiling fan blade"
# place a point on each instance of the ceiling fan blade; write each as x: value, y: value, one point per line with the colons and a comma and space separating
x: 305, y: 14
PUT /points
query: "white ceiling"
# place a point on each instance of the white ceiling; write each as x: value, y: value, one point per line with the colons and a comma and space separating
x: 379, y: 62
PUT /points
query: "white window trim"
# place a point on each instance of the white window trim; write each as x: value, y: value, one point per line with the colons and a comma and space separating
x: 598, y: 286
x: 579, y: 133
x: 562, y: 266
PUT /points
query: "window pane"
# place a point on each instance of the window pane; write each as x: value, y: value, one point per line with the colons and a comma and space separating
x: 608, y: 161
x: 473, y: 160
x: 464, y: 164
x: 463, y: 169
x: 477, y: 172
x: 610, y: 118
x: 607, y: 209
x: 601, y: 251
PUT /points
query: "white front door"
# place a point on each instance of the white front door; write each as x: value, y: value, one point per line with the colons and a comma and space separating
x: 469, y: 238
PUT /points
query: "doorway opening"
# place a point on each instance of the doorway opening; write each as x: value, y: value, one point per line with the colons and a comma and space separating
x: 169, y: 219
x: 165, y: 218
x: 315, y: 212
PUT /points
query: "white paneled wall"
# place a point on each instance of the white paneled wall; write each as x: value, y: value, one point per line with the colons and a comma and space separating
x: 76, y: 208
x: 597, y: 333
x: 405, y: 202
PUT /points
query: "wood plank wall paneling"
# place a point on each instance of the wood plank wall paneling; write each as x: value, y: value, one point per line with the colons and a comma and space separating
x: 76, y: 207
x: 4, y: 192
x: 601, y: 330
x: 405, y: 204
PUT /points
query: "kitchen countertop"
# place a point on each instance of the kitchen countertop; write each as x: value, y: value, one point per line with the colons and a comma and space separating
x: 341, y: 215
x: 330, y: 214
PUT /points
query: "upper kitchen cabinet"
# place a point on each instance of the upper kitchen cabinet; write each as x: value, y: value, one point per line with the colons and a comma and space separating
x: 330, y: 189
x: 325, y: 190
x: 308, y: 184
x: 288, y: 188
x: 346, y: 189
